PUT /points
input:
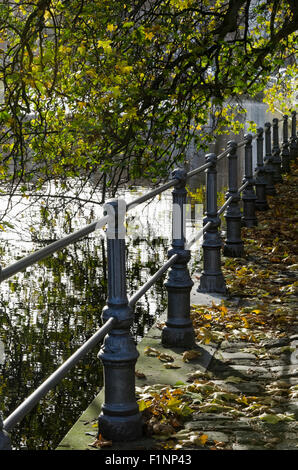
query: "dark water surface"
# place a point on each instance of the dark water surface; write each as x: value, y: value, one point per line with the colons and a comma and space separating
x: 51, y: 309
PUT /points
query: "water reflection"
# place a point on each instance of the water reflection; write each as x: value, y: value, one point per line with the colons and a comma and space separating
x: 48, y: 311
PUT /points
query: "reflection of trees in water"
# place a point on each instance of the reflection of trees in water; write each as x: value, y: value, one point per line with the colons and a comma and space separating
x: 46, y: 314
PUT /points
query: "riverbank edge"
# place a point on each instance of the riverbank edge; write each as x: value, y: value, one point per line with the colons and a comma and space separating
x: 83, y: 432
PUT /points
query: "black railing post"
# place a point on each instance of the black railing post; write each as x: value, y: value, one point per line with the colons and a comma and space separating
x: 4, y: 437
x: 212, y: 279
x: 233, y: 246
x: 285, y: 153
x: 120, y: 419
x: 276, y: 161
x: 293, y: 139
x: 270, y: 189
x: 248, y: 196
x: 179, y: 331
x: 260, y: 178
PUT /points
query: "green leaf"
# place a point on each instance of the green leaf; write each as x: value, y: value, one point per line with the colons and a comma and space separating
x: 273, y: 419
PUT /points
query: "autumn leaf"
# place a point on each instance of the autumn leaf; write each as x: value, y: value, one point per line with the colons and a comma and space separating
x: 171, y: 365
x: 140, y: 375
x: 190, y: 355
x: 101, y: 442
x: 203, y: 439
x: 151, y: 351
x: 165, y: 358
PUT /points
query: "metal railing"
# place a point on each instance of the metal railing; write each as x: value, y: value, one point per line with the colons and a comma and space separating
x: 120, y: 418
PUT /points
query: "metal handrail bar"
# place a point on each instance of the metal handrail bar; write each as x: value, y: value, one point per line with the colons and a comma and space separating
x: 165, y: 186
x: 197, y: 170
x: 151, y: 194
x: 175, y: 181
x: 225, y: 205
x: 50, y: 249
x: 243, y: 186
x: 20, y: 412
x: 197, y: 236
x: 152, y: 280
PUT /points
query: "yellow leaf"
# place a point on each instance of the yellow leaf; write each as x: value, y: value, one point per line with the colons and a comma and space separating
x: 111, y: 27
x: 149, y: 35
x: 189, y: 355
x: 208, y: 316
x: 106, y: 45
x: 203, y: 439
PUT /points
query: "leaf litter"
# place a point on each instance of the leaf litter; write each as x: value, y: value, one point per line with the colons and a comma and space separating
x: 265, y: 282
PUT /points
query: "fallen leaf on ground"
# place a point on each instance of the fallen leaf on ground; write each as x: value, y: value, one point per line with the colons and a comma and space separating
x: 100, y: 442
x: 151, y: 352
x: 171, y: 365
x: 165, y: 358
x: 190, y: 355
x: 140, y: 375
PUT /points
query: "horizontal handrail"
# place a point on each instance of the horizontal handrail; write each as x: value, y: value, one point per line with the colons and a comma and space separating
x: 151, y: 194
x: 243, y: 187
x: 225, y: 205
x: 50, y: 249
x: 20, y: 412
x: 152, y: 280
x: 164, y: 187
x: 197, y: 236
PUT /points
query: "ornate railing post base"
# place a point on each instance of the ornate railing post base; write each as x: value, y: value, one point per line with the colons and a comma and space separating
x: 249, y: 219
x: 212, y: 279
x: 128, y: 428
x: 234, y: 246
x: 261, y: 203
x: 175, y: 337
x: 120, y: 419
x: 179, y: 331
x: 212, y: 283
x: 234, y: 250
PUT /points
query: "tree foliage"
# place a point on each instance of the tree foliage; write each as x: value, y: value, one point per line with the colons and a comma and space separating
x: 122, y: 88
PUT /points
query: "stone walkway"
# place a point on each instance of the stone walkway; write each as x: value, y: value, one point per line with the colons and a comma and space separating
x: 238, y: 369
